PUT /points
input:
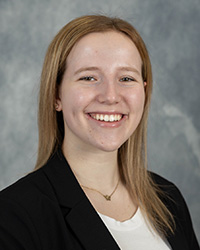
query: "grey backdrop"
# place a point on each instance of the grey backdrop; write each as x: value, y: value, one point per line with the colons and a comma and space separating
x: 171, y: 30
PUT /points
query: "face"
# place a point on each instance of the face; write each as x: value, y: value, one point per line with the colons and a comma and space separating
x: 102, y: 92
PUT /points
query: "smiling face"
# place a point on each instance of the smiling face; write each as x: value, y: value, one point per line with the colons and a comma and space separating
x: 102, y: 92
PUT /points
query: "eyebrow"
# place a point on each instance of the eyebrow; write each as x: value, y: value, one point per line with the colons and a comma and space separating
x: 125, y: 68
x: 132, y: 69
x: 86, y: 69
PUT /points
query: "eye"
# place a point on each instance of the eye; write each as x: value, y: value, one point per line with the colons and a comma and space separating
x: 87, y: 78
x: 127, y: 79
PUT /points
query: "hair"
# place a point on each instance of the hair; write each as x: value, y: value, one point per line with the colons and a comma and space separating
x: 132, y: 155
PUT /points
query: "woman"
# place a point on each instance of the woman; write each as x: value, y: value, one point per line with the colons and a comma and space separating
x: 91, y: 188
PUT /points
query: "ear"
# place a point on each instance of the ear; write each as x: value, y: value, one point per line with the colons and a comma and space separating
x: 145, y: 84
x: 58, y: 105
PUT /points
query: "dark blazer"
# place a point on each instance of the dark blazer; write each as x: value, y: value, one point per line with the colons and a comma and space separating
x: 47, y: 210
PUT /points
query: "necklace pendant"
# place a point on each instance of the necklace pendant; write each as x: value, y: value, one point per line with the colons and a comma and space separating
x: 107, y: 197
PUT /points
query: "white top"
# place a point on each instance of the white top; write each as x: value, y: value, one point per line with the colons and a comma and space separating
x: 135, y: 233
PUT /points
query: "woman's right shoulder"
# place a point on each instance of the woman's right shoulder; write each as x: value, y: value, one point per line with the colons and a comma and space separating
x: 20, y: 209
x: 27, y: 189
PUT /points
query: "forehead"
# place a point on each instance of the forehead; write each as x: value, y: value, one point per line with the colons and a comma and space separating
x: 107, y: 47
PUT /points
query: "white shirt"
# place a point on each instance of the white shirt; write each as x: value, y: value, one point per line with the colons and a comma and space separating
x: 135, y: 233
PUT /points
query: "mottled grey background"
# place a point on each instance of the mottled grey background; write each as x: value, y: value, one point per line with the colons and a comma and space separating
x: 171, y: 30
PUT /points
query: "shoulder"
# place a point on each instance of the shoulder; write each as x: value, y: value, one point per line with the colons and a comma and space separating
x: 168, y: 188
x: 170, y: 195
x: 30, y: 197
x: 173, y: 199
x: 19, y: 205
x: 26, y: 188
x: 160, y: 180
x: 175, y: 202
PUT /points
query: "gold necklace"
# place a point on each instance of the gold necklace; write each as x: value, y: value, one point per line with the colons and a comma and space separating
x: 106, y: 196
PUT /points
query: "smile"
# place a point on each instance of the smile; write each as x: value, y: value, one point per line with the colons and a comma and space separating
x: 107, y: 117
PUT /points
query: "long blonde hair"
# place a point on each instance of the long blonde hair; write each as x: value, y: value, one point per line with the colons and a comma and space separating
x: 132, y: 156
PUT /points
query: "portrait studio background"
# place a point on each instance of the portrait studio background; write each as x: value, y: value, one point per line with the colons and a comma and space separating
x: 170, y: 29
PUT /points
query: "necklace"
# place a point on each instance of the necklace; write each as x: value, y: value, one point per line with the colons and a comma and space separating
x: 106, y: 196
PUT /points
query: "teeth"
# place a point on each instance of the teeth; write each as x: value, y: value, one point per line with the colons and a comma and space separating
x: 101, y: 117
x: 106, y: 118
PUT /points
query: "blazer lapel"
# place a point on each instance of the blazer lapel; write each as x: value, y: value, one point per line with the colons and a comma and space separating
x: 89, y: 228
x: 81, y: 216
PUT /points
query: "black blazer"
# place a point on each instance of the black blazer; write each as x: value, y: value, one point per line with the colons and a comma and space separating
x: 47, y: 210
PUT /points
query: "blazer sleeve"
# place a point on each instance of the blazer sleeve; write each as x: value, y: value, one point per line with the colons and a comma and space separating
x: 17, y: 231
x: 183, y: 220
x: 184, y: 234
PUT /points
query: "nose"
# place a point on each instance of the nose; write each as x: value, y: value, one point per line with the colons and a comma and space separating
x: 109, y: 93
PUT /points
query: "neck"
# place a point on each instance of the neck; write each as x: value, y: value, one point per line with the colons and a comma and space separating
x: 93, y: 168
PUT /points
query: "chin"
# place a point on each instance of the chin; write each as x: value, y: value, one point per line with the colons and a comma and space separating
x: 109, y: 147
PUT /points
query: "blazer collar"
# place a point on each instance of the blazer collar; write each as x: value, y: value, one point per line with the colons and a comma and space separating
x: 81, y: 215
x: 63, y: 181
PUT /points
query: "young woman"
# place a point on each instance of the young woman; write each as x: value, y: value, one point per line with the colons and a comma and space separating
x: 91, y: 188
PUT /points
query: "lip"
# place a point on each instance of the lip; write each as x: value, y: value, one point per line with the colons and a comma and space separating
x: 114, y: 124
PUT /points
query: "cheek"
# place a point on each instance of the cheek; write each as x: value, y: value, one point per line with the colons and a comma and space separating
x: 75, y: 99
x: 136, y: 100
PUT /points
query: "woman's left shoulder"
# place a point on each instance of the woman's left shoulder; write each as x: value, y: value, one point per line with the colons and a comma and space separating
x: 160, y: 180
x: 166, y: 186
x: 170, y: 195
x: 175, y: 202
